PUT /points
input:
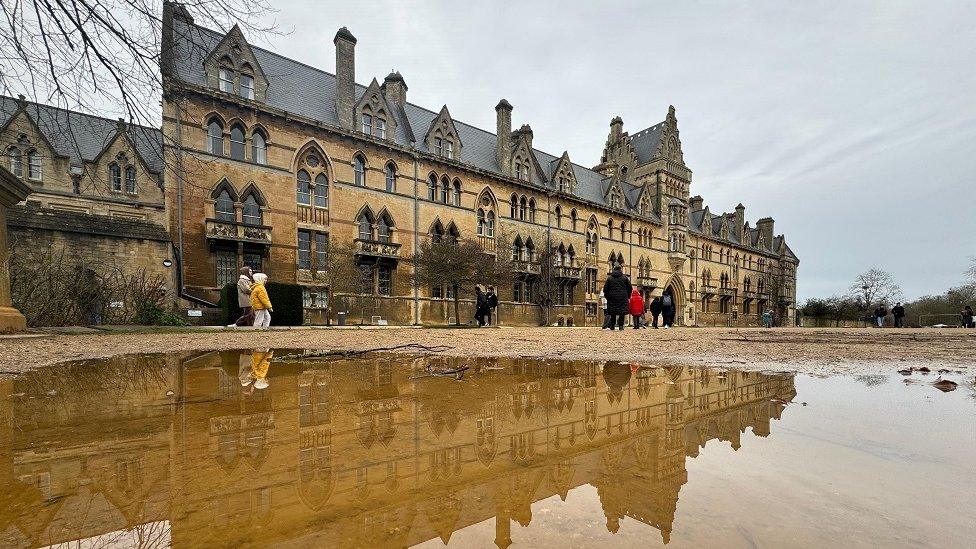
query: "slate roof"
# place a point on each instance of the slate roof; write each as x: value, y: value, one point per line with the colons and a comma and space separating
x: 82, y: 137
x: 77, y: 222
x: 645, y: 142
x: 310, y: 92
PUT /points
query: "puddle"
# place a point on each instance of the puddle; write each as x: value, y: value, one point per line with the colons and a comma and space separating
x: 261, y: 448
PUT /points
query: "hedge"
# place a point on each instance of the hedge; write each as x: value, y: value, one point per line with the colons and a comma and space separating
x: 286, y: 299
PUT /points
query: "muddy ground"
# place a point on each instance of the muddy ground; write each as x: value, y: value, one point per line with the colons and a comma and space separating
x: 812, y: 351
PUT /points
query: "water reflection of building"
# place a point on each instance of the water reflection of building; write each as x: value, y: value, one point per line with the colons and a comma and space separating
x: 353, y: 452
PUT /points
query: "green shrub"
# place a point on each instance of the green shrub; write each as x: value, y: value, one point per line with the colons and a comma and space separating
x: 286, y: 299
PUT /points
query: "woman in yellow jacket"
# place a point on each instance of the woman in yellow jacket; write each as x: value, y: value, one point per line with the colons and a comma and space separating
x: 260, y: 303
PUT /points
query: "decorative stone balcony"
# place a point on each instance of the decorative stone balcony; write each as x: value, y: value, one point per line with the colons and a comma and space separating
x: 727, y: 291
x: 488, y: 244
x: 237, y: 232
x: 647, y: 281
x: 375, y: 248
x: 570, y: 273
x: 748, y: 295
x: 706, y: 289
x: 526, y: 267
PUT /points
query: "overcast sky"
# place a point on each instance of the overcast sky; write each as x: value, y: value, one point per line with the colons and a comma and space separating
x: 853, y: 124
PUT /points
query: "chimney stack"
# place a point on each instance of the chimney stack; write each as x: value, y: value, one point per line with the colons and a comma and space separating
x: 503, y: 136
x: 765, y: 227
x: 616, y: 129
x: 526, y: 131
x: 395, y: 88
x: 345, y: 44
x: 696, y: 203
x: 740, y: 219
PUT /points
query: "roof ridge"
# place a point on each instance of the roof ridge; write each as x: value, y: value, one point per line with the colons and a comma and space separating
x: 80, y: 113
x: 217, y: 34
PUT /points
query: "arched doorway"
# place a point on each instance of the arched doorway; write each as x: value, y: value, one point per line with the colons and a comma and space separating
x: 676, y: 289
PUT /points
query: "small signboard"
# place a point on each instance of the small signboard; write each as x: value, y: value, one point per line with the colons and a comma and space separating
x: 194, y: 312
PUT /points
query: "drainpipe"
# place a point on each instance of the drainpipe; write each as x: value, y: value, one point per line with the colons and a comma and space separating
x: 416, y: 242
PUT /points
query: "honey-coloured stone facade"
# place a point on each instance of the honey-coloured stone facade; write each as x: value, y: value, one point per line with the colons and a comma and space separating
x: 327, y: 160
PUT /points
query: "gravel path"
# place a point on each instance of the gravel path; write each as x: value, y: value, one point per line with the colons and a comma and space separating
x: 812, y: 351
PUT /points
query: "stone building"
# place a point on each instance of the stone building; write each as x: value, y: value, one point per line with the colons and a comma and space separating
x: 267, y: 160
x: 272, y: 159
x: 97, y: 189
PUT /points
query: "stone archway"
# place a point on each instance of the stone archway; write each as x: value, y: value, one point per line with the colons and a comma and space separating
x: 675, y: 287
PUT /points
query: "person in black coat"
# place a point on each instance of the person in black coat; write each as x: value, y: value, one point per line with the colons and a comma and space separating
x: 668, y: 309
x: 480, y: 305
x: 655, y: 310
x: 617, y: 290
x: 492, y: 302
x: 899, y: 313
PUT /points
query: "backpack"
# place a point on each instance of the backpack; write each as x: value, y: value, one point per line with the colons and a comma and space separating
x: 666, y: 301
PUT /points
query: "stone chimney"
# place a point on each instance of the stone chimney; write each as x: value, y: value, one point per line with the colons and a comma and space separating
x: 765, y: 227
x: 740, y: 220
x: 503, y: 136
x: 526, y: 132
x: 345, y: 44
x: 696, y: 202
x: 395, y: 88
x: 616, y: 129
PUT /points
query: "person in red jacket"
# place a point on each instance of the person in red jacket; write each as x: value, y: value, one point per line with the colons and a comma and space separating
x: 636, y: 307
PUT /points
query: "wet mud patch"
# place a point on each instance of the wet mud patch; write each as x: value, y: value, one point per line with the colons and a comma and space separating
x: 262, y: 446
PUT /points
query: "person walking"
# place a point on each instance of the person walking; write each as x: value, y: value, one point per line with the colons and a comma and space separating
x: 967, y: 317
x: 767, y: 318
x: 898, y: 312
x: 492, y: 299
x: 617, y: 290
x: 260, y: 303
x: 879, y: 315
x: 244, y: 284
x: 606, y: 314
x: 480, y: 305
x: 667, y: 309
x: 636, y: 307
x: 655, y: 311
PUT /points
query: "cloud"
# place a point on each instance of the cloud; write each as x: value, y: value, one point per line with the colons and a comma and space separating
x: 852, y: 124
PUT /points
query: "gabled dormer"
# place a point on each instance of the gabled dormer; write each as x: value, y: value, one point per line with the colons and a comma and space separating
x: 563, y: 176
x: 706, y: 222
x: 644, y: 204
x: 614, y: 195
x: 232, y: 68
x: 442, y: 137
x: 725, y: 229
x: 374, y: 114
x: 525, y: 165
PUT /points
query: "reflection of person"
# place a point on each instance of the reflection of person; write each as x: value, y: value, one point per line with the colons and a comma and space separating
x: 260, y: 301
x: 256, y: 376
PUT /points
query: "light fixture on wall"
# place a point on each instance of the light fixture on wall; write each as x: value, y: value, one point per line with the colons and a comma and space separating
x: 167, y: 263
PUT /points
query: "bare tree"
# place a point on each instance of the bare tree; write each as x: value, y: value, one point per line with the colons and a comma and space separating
x: 460, y: 265
x: 98, y: 55
x: 874, y: 287
x: 971, y: 271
